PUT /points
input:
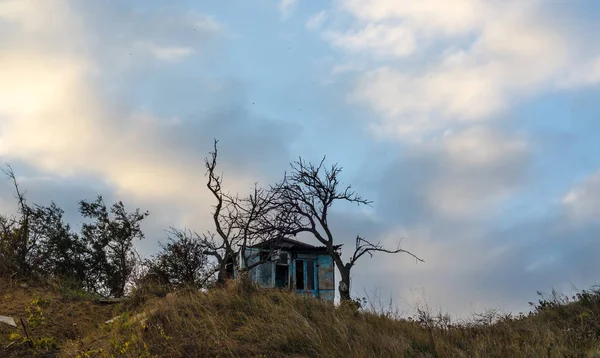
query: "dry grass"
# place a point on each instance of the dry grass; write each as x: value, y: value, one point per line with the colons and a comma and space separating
x: 242, y: 321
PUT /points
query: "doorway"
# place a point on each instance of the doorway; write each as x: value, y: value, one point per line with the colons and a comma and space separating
x: 282, y: 275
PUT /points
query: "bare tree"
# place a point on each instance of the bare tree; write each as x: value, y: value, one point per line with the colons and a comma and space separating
x: 223, y: 247
x: 240, y: 222
x: 21, y: 243
x: 307, y: 193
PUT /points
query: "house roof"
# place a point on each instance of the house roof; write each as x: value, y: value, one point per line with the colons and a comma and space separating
x: 293, y: 245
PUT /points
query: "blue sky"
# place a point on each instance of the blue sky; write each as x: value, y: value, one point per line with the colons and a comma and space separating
x: 471, y: 124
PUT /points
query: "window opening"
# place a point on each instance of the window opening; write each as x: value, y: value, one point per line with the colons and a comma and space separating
x: 300, y: 274
x: 266, y: 274
x: 310, y: 274
x: 282, y: 274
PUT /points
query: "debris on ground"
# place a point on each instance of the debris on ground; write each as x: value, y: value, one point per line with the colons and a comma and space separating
x: 8, y: 320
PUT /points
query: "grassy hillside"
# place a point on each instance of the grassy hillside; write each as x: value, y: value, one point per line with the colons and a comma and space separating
x: 52, y: 313
x: 241, y: 321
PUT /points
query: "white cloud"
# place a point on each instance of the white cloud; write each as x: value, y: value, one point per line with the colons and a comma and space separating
x: 315, y: 21
x: 379, y: 38
x: 583, y: 200
x: 413, y: 104
x: 33, y: 18
x: 583, y: 75
x: 346, y: 67
x: 480, y: 167
x: 166, y: 53
x: 450, y: 17
x: 542, y: 264
x: 434, y: 65
x: 206, y: 23
x: 287, y: 8
x: 481, y: 146
x: 54, y: 116
x: 463, y: 177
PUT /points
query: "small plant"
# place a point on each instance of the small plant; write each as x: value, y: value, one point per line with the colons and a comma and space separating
x: 163, y: 334
x: 36, y: 315
x: 127, y: 345
x: 15, y: 337
x: 119, y: 345
x: 548, y: 302
x: 44, y: 343
x: 38, y: 344
x: 90, y: 353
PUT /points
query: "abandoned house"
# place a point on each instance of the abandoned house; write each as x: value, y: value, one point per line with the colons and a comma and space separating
x: 304, y: 268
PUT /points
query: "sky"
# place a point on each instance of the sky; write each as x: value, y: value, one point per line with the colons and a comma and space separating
x: 471, y: 125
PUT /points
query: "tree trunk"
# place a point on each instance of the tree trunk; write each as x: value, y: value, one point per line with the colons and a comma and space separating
x: 344, y: 286
x: 221, y: 277
x: 225, y: 269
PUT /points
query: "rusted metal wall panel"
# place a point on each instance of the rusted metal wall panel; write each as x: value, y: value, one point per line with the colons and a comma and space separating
x: 326, y: 278
x: 326, y: 272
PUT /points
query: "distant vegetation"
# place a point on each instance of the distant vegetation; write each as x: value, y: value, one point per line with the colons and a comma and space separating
x: 101, y: 259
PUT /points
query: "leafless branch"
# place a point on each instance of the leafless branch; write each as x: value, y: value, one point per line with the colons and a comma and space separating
x: 363, y: 246
x: 20, y: 196
x: 24, y: 245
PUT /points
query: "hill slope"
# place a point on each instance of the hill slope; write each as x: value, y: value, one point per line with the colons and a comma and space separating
x: 241, y: 321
